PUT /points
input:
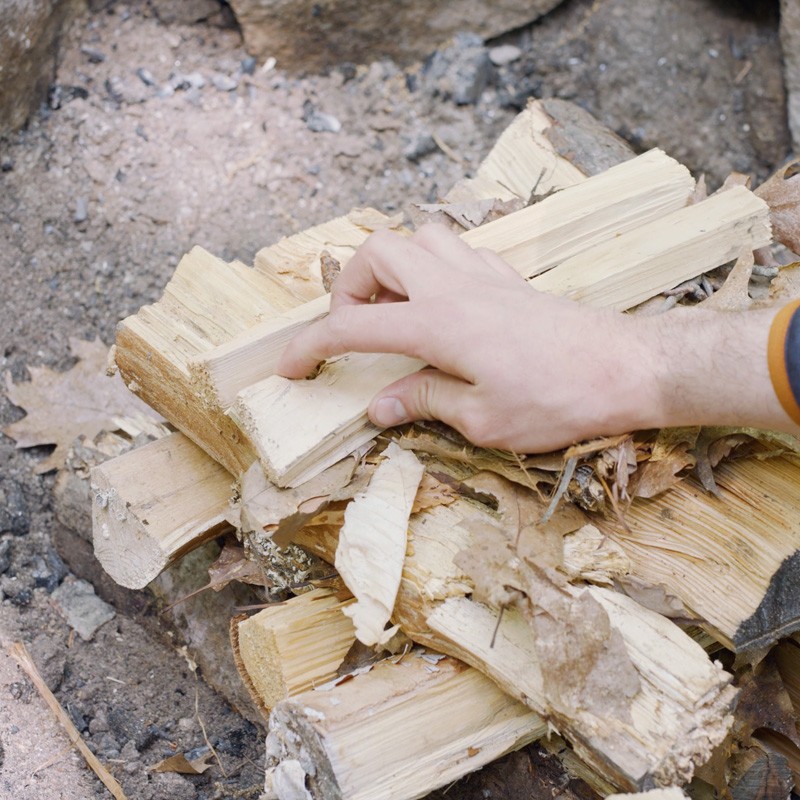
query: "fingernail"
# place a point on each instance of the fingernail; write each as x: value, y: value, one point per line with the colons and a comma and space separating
x: 389, y: 411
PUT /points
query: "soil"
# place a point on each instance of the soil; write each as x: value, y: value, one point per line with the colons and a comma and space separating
x: 158, y: 137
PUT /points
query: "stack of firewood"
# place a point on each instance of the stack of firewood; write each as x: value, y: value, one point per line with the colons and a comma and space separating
x: 480, y: 600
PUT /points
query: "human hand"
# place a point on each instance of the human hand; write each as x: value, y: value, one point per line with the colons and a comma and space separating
x: 510, y: 367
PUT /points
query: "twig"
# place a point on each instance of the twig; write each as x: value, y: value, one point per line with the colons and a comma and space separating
x: 497, y: 626
x: 203, y: 727
x: 20, y: 654
x: 446, y: 149
x: 566, y: 477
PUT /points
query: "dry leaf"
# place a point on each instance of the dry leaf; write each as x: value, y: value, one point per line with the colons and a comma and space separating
x: 521, y: 512
x: 785, y: 286
x: 373, y: 540
x: 466, y: 215
x: 782, y: 195
x: 373, y: 220
x: 734, y: 294
x: 233, y: 565
x: 656, y: 598
x: 63, y: 405
x: 584, y: 661
x: 185, y: 766
x: 280, y: 513
x: 764, y: 703
x: 432, y: 493
x: 330, y: 268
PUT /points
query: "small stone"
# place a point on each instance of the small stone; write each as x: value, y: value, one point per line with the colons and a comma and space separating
x: 94, y: 56
x: 419, y: 147
x: 186, y: 724
x: 7, y: 164
x: 18, y: 589
x: 146, y: 77
x: 224, y: 83
x: 81, y: 210
x: 248, y: 65
x: 192, y: 80
x: 48, y: 571
x: 459, y: 72
x: 504, y: 54
x: 82, y: 609
x: 5, y: 555
x: 319, y: 122
x: 14, y: 514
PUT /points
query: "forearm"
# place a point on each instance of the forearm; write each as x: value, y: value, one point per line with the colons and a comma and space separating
x: 709, y: 367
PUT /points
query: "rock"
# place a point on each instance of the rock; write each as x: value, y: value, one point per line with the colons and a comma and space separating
x: 224, y: 82
x: 146, y: 77
x: 127, y: 726
x: 83, y: 610
x: 48, y: 571
x: 248, y: 65
x: 29, y: 34
x: 184, y: 12
x: 315, y: 34
x: 17, y: 588
x: 14, y: 514
x: 5, y: 555
x: 181, y: 82
x: 81, y: 210
x: 420, y: 146
x: 318, y: 121
x: 94, y: 56
x: 504, y: 54
x: 50, y: 657
x: 790, y: 41
x: 459, y: 72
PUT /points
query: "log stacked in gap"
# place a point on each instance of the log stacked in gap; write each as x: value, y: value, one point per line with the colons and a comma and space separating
x: 204, y: 355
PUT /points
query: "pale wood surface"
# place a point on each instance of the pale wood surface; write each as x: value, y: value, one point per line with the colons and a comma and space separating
x: 679, y: 715
x: 400, y: 730
x: 153, y: 504
x: 732, y: 560
x: 293, y: 646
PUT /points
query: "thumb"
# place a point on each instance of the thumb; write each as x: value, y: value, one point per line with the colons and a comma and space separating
x: 428, y: 394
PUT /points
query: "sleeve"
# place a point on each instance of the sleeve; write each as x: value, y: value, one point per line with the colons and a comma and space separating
x: 783, y: 355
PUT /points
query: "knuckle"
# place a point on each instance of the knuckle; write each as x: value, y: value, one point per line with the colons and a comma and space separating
x: 431, y: 233
x: 476, y: 426
x: 339, y: 324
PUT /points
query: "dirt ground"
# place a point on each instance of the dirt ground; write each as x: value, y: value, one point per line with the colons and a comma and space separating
x: 159, y: 137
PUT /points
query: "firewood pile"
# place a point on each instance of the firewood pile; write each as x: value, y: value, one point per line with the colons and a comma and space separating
x: 632, y: 601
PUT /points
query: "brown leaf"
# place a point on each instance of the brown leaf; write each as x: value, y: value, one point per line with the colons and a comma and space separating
x: 656, y: 598
x: 467, y: 215
x: 764, y: 703
x: 179, y: 763
x: 432, y: 493
x: 63, y: 405
x: 785, y: 286
x: 330, y: 268
x: 282, y: 512
x: 373, y: 220
x: 734, y: 294
x: 521, y: 512
x: 233, y: 565
x: 782, y: 195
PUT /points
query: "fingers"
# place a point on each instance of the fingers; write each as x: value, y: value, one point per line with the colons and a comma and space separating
x: 372, y: 328
x: 386, y: 263
x: 498, y: 264
x: 428, y: 394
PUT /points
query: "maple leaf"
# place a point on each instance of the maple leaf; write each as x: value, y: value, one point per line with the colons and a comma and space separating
x: 61, y: 406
